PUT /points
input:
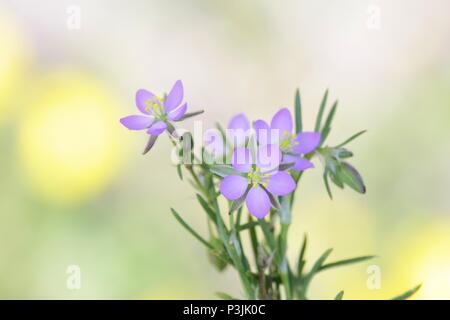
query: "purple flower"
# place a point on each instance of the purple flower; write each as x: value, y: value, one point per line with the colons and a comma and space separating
x: 256, y: 180
x: 238, y: 129
x: 158, y: 111
x: 293, y: 146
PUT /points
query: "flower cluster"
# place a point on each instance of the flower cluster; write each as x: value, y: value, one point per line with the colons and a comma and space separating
x: 263, y: 167
x: 259, y: 175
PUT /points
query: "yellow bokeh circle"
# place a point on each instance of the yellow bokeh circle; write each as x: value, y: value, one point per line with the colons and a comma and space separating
x: 69, y: 139
x: 425, y: 259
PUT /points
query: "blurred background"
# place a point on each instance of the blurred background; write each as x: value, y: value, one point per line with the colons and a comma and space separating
x: 75, y: 189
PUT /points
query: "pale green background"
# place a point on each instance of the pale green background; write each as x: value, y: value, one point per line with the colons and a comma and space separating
x: 74, y: 188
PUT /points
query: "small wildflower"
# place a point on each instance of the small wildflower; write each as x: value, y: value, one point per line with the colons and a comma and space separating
x: 257, y: 179
x: 158, y: 112
x: 292, y: 145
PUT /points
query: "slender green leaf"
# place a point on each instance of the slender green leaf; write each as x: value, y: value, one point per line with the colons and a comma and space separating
x: 150, y: 143
x: 353, y: 137
x: 408, y: 294
x: 307, y: 279
x: 210, y: 212
x: 316, y: 267
x: 321, y: 110
x: 339, y: 296
x: 191, y: 230
x: 301, y: 257
x: 298, y: 112
x: 179, y: 172
x: 327, y: 126
x: 191, y: 114
x: 223, y: 170
x: 345, y: 262
x: 253, y: 239
x: 238, y: 219
x: 327, y: 185
x: 247, y: 225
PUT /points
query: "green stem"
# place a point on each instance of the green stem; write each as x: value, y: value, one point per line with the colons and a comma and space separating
x: 224, y: 235
x: 283, y: 262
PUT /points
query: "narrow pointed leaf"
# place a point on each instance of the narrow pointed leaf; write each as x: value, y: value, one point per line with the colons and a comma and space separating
x: 191, y: 230
x: 316, y: 267
x: 298, y: 112
x: 345, y: 262
x: 327, y: 185
x: 247, y: 225
x: 408, y: 294
x: 179, y: 172
x: 210, y: 212
x: 223, y: 170
x: 353, y: 137
x: 327, y: 126
x: 191, y: 114
x: 339, y: 296
x: 150, y: 143
x: 307, y: 279
x: 321, y: 110
x: 301, y: 258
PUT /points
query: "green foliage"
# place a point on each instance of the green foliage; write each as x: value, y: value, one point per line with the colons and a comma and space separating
x: 339, y: 296
x: 298, y: 112
x: 408, y: 293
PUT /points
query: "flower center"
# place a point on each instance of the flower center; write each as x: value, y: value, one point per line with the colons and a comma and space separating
x: 286, y: 141
x: 155, y: 105
x: 256, y: 177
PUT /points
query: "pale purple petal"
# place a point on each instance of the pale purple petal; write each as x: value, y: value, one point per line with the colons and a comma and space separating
x: 174, y: 97
x: 239, y: 121
x: 142, y: 96
x: 302, y: 164
x: 262, y: 131
x: 242, y: 159
x: 233, y: 187
x: 157, y: 128
x: 176, y: 114
x: 282, y: 121
x: 290, y: 158
x: 258, y: 202
x: 237, y: 130
x: 268, y: 157
x: 305, y: 142
x: 136, y: 122
x: 280, y: 183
